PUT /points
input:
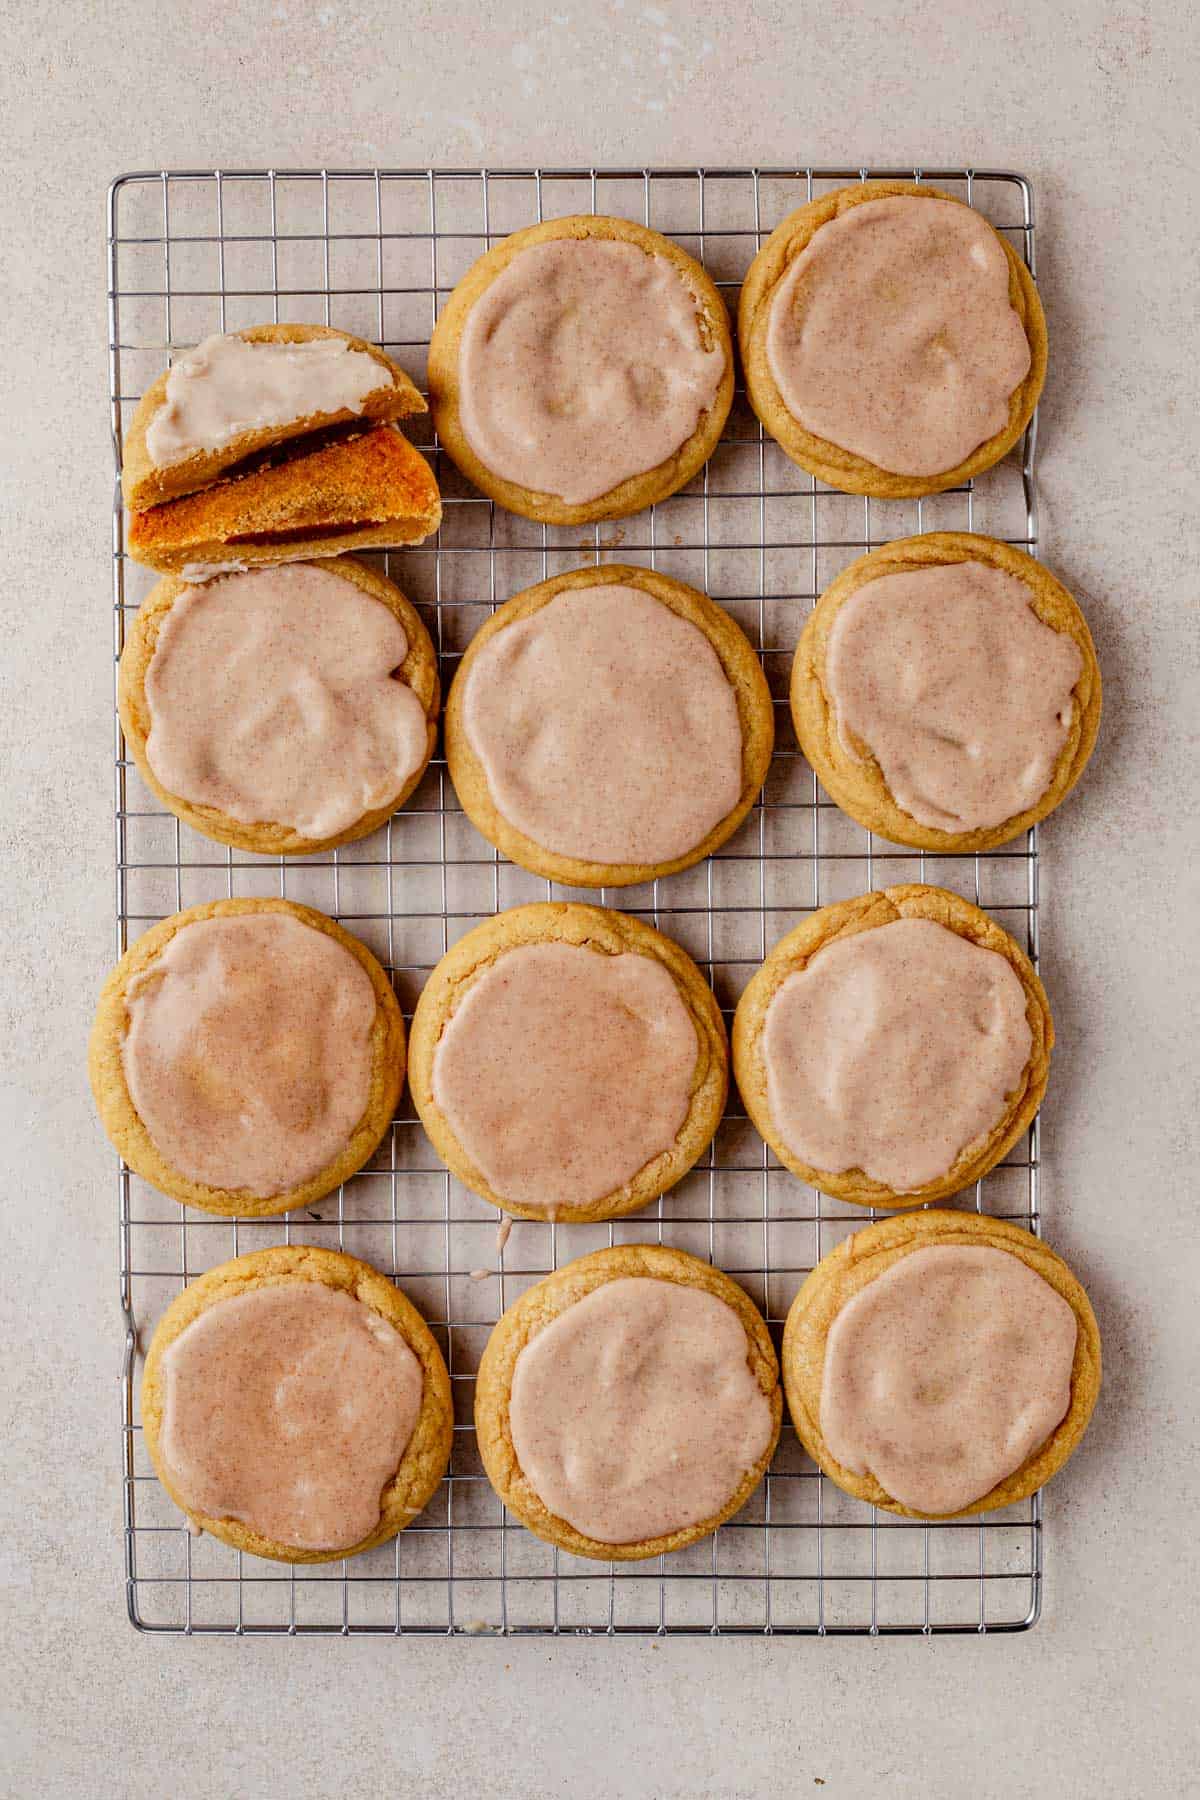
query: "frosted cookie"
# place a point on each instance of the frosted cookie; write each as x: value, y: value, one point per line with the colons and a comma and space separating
x: 296, y: 1405
x: 608, y: 726
x: 370, y: 491
x: 581, y: 370
x: 239, y: 394
x: 893, y: 1048
x: 893, y: 342
x: 946, y: 691
x: 568, y: 1062
x: 941, y: 1364
x: 629, y: 1403
x: 247, y: 1056
x: 284, y: 710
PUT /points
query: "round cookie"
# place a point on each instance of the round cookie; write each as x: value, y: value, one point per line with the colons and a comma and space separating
x: 859, y: 786
x: 856, y: 1262
x: 742, y: 670
x: 604, y: 933
x: 129, y: 1134
x: 843, y: 920
x: 638, y: 491
x: 545, y: 1302
x: 418, y: 671
x: 427, y: 1453
x: 829, y: 462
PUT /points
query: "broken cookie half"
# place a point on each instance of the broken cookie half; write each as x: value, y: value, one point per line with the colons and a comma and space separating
x: 274, y: 444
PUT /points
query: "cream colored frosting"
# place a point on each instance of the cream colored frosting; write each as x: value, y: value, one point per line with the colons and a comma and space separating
x: 582, y: 365
x: 960, y: 692
x: 892, y: 334
x: 606, y: 727
x: 635, y: 1412
x: 248, y: 1050
x: 289, y: 1408
x: 272, y: 696
x: 225, y: 387
x: 208, y: 571
x: 564, y: 1070
x: 894, y: 1050
x: 944, y: 1374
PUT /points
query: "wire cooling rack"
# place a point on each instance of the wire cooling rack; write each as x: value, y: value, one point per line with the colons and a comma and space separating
x: 377, y: 252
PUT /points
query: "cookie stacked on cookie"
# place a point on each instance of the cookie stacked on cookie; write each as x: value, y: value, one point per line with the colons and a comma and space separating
x: 271, y: 445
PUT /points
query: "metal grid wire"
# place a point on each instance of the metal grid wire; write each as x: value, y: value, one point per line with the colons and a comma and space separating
x: 376, y: 253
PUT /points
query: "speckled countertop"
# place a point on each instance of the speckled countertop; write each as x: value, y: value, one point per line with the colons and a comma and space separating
x: 1098, y: 104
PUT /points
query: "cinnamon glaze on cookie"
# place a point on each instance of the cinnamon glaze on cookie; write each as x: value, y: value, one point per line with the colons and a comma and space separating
x: 288, y: 1408
x: 563, y: 1071
x: 273, y: 696
x: 944, y: 1374
x: 893, y: 1050
x: 582, y: 365
x: 228, y: 386
x: 248, y: 1051
x: 892, y: 334
x: 606, y: 727
x: 635, y: 1413
x: 956, y: 687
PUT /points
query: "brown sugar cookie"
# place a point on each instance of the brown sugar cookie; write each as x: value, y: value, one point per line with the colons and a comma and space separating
x: 647, y: 756
x: 267, y: 1046
x: 862, y: 1259
x: 586, y: 1088
x: 366, y: 492
x: 416, y: 670
x: 570, y: 340
x: 831, y: 462
x: 985, y: 1023
x: 296, y: 1269
x: 640, y: 1329
x: 847, y: 767
x: 377, y: 391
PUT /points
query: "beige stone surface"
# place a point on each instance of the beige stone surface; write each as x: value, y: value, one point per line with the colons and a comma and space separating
x: 1098, y: 103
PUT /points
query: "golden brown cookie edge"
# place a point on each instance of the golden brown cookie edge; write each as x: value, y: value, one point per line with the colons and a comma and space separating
x: 129, y: 1135
x: 638, y: 491
x: 419, y: 671
x: 742, y: 670
x: 837, y: 467
x: 535, y: 1309
x: 859, y: 788
x: 599, y: 928
x: 864, y: 913
x: 852, y: 1265
x: 427, y: 1452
